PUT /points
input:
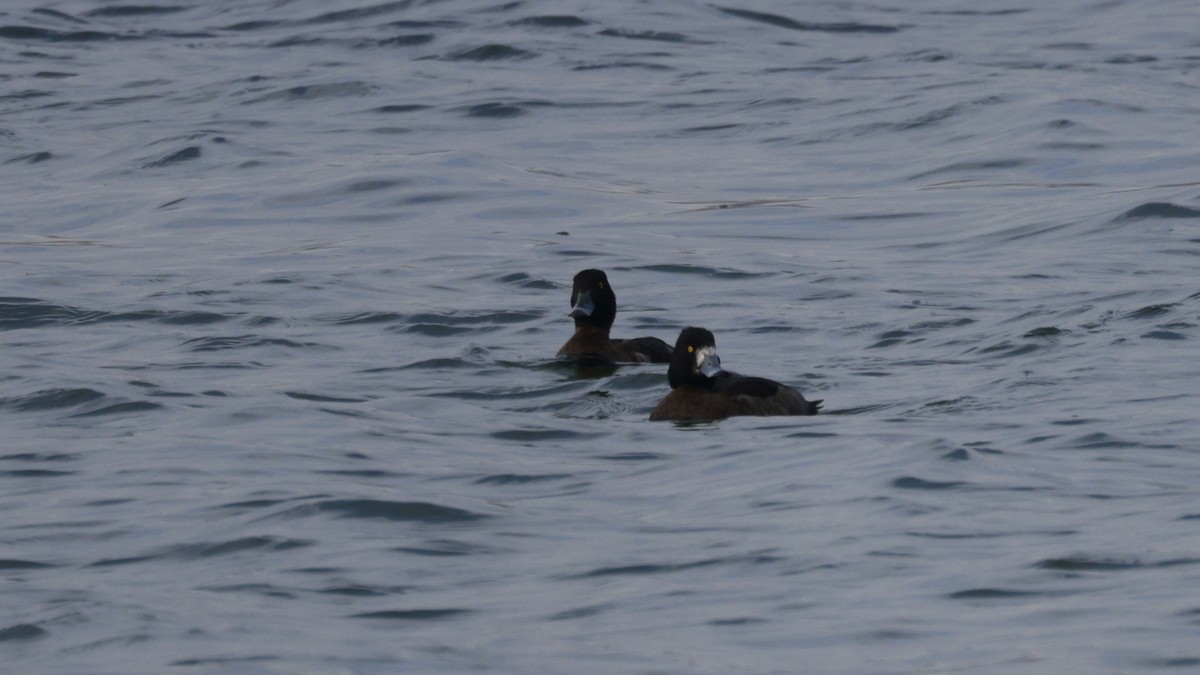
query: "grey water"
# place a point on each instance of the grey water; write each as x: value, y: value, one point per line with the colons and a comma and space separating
x: 282, y: 282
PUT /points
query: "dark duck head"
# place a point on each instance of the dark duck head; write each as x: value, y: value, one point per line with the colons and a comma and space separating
x: 593, y: 302
x: 594, y: 308
x: 694, y: 362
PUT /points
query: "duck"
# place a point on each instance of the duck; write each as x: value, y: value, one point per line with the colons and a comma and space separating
x: 594, y: 307
x: 701, y: 390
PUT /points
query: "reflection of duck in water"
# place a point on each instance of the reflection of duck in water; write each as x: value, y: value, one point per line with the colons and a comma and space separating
x: 701, y: 390
x: 594, y: 307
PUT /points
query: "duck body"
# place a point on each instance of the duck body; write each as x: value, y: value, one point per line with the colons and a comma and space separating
x: 594, y: 308
x: 702, y: 390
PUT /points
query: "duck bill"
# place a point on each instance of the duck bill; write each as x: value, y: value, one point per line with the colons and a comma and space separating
x: 583, y: 306
x: 708, y: 363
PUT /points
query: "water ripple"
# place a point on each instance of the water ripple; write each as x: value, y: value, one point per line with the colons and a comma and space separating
x: 381, y: 509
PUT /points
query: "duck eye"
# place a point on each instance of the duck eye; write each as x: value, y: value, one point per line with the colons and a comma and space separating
x: 691, y: 349
x: 601, y: 284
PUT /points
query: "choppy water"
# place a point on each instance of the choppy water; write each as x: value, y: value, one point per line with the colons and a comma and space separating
x: 282, y: 282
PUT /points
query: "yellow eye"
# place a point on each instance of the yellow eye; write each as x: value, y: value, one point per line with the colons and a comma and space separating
x: 691, y: 349
x: 601, y: 284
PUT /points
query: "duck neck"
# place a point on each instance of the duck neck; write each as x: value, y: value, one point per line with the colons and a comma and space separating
x: 591, y: 330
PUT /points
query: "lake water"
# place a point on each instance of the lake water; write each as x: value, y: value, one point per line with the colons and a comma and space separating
x: 283, y: 282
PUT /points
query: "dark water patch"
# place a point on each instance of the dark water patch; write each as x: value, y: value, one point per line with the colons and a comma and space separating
x: 995, y: 594
x: 634, y: 457
x: 397, y: 109
x: 178, y: 157
x: 15, y: 564
x: 1157, y: 210
x: 222, y: 343
x: 406, y: 40
x: 987, y: 535
x: 534, y: 436
x: 1124, y: 59
x: 914, y: 483
x: 475, y: 318
x: 121, y: 409
x: 523, y: 280
x: 47, y: 35
x: 223, y: 662
x: 890, y: 338
x: 360, y: 473
x: 116, y: 562
x: 32, y: 158
x: 643, y: 65
x: 670, y: 568
x: 444, y: 548
x: 442, y: 330
x: 1082, y: 563
x: 265, y: 590
x: 494, y: 110
x: 360, y: 591
x: 651, y: 379
x: 927, y: 56
x: 434, y: 364
x: 490, y: 52
x: 710, y: 128
x: 253, y: 504
x: 702, y: 270
x: 651, y: 35
x: 34, y: 473
x: 322, y: 398
x: 1007, y: 350
x: 367, y: 318
x: 317, y: 92
x: 969, y: 167
x: 56, y: 14
x: 1191, y: 662
x: 738, y: 621
x: 298, y: 41
x: 775, y: 329
x: 1164, y: 335
x: 25, y: 95
x: 792, y: 24
x: 410, y: 24
x: 51, y: 399
x: 30, y: 313
x: 172, y: 318
x: 133, y: 10
x: 413, y: 614
x: 245, y: 26
x: 1045, y: 332
x: 204, y: 551
x: 511, y: 393
x: 579, y: 613
x: 521, y: 479
x: 953, y: 404
x: 644, y: 570
x: 1102, y: 441
x: 21, y: 632
x: 551, y: 21
x: 1151, y: 311
x: 366, y: 12
x: 379, y: 509
x: 942, y: 114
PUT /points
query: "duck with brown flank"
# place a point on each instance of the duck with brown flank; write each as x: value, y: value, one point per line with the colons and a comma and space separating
x: 702, y: 390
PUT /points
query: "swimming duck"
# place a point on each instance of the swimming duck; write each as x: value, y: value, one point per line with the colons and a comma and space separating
x: 701, y: 390
x: 594, y: 307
